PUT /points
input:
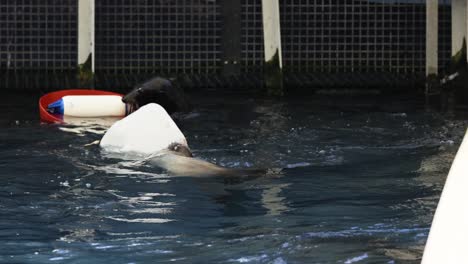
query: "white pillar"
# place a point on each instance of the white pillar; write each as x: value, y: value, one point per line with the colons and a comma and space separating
x: 271, y: 30
x: 459, y: 20
x: 272, y: 47
x: 86, y: 32
x: 431, y: 36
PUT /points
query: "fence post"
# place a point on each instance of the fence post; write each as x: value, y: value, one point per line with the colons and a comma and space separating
x: 458, y: 25
x: 432, y: 20
x: 86, y: 52
x: 272, y: 47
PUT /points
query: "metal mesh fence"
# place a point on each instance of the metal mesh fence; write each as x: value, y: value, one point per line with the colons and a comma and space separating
x: 353, y: 36
x: 38, y: 35
x: 324, y: 42
x: 173, y: 36
x: 251, y: 35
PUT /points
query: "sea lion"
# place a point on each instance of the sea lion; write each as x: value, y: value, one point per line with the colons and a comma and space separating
x: 151, y: 131
x: 158, y: 90
x: 178, y: 160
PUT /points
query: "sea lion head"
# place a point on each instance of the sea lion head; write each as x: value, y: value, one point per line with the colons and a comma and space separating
x: 180, y: 149
x: 157, y: 90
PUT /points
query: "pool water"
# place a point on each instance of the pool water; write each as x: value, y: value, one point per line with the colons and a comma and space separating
x: 360, y: 181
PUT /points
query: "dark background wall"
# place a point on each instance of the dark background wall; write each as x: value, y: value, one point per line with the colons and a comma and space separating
x: 326, y: 43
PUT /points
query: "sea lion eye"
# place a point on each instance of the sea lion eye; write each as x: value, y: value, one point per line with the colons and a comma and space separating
x: 139, y: 90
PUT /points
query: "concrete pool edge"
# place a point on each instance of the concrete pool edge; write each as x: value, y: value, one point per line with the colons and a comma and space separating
x: 448, y: 235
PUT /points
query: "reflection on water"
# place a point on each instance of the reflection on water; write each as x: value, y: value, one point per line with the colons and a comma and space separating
x: 359, y: 183
x: 144, y: 204
x: 81, y: 126
x: 272, y: 199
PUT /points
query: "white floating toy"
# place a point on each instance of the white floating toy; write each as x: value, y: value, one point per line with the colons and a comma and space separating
x: 89, y: 106
x: 148, y: 130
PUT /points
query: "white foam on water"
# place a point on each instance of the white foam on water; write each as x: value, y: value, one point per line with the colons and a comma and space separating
x: 298, y: 165
x: 279, y: 261
x: 60, y: 251
x: 356, y: 259
x: 249, y: 259
x: 57, y: 258
x: 142, y: 220
x: 105, y: 247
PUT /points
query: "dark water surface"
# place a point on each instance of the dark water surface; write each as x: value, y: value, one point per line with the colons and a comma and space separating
x: 361, y: 182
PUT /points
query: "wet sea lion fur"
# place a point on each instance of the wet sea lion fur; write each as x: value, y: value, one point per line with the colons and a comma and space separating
x: 161, y: 91
x: 178, y: 160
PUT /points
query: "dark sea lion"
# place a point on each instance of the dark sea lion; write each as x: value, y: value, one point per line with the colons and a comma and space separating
x: 161, y: 91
